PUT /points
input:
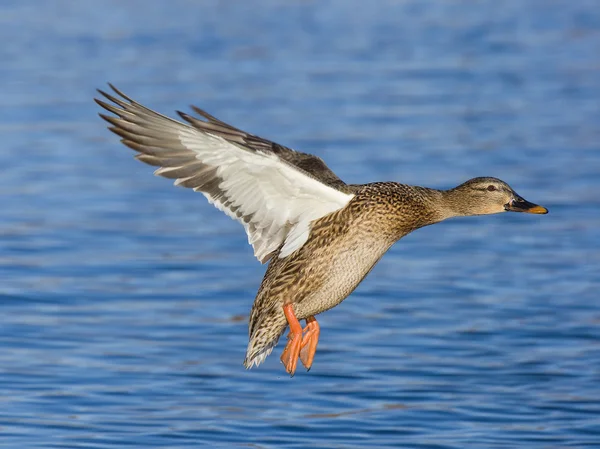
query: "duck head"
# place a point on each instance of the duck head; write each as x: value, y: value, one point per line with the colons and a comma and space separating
x: 482, y: 196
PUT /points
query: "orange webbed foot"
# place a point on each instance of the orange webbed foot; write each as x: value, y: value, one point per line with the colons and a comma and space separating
x: 302, y: 343
x: 309, y: 342
x: 290, y: 354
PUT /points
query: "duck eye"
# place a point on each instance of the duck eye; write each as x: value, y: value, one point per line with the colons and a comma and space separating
x: 491, y: 188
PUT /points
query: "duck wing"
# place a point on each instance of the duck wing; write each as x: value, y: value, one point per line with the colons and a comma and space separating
x: 273, y: 191
x: 310, y: 164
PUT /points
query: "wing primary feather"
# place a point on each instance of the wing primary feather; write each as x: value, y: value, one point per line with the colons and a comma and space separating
x: 273, y: 191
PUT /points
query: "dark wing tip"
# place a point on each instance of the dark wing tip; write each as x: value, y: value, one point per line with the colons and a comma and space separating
x: 110, y: 107
x: 183, y: 115
x: 99, y: 102
x: 120, y: 93
x: 187, y: 117
x: 112, y: 98
x: 108, y: 97
x: 108, y: 118
x: 101, y: 92
x: 206, y: 115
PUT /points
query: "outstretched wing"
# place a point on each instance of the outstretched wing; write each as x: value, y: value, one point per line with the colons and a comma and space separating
x: 308, y: 163
x: 273, y: 191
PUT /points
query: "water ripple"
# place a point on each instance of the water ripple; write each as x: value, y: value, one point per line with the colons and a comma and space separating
x: 124, y: 301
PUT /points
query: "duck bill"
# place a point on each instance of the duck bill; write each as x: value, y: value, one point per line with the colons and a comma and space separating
x: 519, y: 204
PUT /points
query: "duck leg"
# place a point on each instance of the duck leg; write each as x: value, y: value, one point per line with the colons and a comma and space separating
x: 309, y: 342
x: 290, y: 354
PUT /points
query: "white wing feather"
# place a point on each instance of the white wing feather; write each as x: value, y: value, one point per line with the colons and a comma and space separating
x: 275, y: 201
x: 280, y: 200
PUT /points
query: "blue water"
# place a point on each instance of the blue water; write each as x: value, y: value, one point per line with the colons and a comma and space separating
x: 124, y: 300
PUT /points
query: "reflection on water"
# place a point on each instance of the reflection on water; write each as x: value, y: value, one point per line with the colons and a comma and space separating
x: 124, y: 300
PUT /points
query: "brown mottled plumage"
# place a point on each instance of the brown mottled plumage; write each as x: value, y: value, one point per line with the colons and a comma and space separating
x: 322, y: 236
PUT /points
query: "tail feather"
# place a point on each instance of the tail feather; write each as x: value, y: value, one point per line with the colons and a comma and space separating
x: 260, y: 348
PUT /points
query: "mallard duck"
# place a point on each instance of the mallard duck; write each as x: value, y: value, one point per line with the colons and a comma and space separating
x: 320, y: 235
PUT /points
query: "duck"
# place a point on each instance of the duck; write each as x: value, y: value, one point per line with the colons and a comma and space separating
x: 319, y: 235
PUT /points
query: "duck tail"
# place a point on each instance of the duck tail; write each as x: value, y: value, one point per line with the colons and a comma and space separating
x: 261, y: 344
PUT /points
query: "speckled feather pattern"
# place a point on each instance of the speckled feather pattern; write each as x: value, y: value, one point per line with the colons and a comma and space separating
x: 343, y: 247
x: 321, y: 235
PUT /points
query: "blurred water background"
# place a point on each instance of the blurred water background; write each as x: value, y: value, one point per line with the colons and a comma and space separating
x: 124, y: 300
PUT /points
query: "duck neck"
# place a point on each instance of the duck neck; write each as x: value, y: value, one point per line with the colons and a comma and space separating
x: 453, y: 204
x: 439, y: 204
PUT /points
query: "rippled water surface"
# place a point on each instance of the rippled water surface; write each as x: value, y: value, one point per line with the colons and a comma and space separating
x: 124, y: 300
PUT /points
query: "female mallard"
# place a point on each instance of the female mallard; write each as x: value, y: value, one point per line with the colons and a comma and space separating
x: 321, y: 235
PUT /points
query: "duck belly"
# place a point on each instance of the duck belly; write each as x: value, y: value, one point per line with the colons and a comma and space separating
x: 341, y: 274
